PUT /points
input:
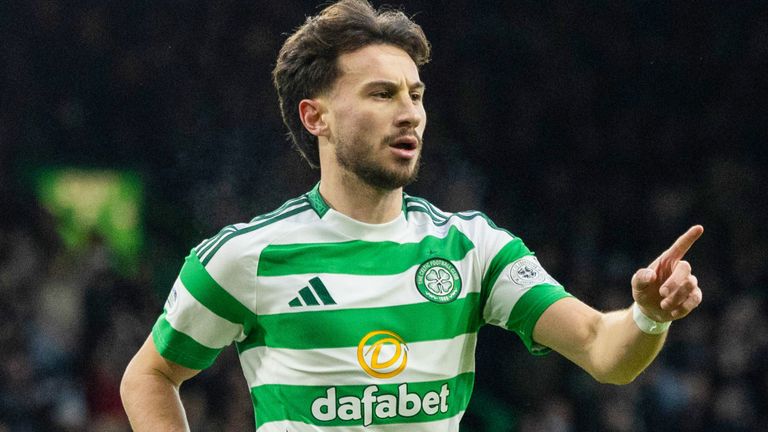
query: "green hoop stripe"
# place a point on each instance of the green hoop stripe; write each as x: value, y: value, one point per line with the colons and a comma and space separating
x: 180, y: 348
x: 527, y: 311
x: 270, y: 401
x: 340, y: 328
x: 211, y: 295
x: 511, y: 252
x: 360, y: 257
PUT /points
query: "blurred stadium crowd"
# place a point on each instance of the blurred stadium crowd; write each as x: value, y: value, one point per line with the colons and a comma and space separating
x: 597, y: 131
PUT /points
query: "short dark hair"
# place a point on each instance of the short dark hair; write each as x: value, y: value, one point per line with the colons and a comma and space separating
x: 307, y: 64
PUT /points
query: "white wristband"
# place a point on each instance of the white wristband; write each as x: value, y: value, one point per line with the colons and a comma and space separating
x: 647, y: 325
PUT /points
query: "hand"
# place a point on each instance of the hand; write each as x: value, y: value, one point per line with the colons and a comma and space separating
x: 666, y: 290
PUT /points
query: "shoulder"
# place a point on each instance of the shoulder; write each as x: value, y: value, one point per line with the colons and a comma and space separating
x: 467, y: 220
x: 245, y: 239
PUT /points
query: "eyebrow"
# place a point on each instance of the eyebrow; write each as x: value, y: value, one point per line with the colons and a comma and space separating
x: 391, y: 84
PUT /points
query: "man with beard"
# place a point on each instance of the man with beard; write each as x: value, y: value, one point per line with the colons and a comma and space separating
x: 356, y: 305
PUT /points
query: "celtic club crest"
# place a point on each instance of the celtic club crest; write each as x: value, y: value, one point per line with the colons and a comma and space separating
x: 438, y: 280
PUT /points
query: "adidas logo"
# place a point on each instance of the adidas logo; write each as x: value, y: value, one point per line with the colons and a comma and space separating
x: 313, y: 295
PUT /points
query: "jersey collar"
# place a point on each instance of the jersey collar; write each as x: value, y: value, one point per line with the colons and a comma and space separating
x: 321, y: 207
x: 317, y: 202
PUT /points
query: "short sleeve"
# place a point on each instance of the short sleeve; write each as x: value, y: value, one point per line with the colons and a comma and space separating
x: 517, y: 290
x: 199, y: 318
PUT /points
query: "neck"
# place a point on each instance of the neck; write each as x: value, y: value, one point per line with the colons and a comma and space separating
x: 350, y: 196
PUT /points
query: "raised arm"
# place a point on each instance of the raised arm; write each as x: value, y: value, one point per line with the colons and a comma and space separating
x: 150, y: 391
x: 611, y: 346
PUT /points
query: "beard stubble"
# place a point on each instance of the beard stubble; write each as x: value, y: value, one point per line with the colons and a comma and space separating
x: 357, y: 157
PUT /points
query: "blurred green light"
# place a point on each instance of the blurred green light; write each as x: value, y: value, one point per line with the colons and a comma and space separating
x: 85, y: 202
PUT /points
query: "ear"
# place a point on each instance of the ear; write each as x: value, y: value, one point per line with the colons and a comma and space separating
x: 311, y: 114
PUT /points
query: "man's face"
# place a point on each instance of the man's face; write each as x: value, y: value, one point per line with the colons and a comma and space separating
x: 376, y: 117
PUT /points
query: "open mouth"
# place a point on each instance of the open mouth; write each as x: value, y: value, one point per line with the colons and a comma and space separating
x: 404, y: 146
x: 405, y: 143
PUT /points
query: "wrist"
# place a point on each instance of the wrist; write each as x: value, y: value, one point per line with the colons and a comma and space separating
x: 646, y: 324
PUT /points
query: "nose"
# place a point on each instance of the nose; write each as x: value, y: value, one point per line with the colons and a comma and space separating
x: 410, y: 113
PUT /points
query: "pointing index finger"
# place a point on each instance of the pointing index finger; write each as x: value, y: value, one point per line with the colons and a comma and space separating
x: 683, y: 243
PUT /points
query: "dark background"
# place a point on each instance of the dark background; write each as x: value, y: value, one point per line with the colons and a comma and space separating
x: 597, y: 131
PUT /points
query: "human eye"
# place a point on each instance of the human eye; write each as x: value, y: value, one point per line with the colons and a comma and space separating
x: 382, y: 94
x: 417, y: 96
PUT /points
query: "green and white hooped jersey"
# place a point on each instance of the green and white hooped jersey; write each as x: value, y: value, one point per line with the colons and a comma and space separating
x: 346, y: 326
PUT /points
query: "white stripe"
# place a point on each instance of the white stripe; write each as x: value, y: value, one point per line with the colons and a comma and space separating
x: 235, y: 265
x: 190, y: 317
x: 506, y: 292
x: 357, y: 291
x: 446, y: 425
x: 429, y: 211
x: 427, y: 361
x: 335, y: 227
